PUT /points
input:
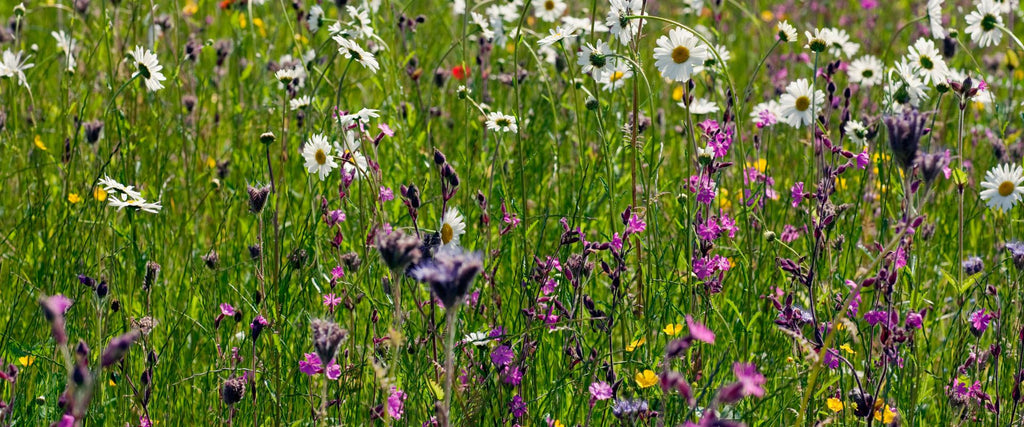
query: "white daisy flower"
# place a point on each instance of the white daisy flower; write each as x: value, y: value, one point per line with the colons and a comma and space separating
x: 499, y: 122
x: 799, y: 103
x: 362, y: 116
x: 905, y: 87
x: 300, y: 102
x: 818, y: 40
x: 360, y: 23
x: 701, y: 106
x: 549, y: 10
x: 453, y: 226
x: 934, y: 11
x: 1002, y: 186
x: 476, y: 338
x: 484, y: 23
x: 65, y: 44
x: 982, y: 24
x: 785, y: 32
x: 856, y: 131
x: 840, y: 43
x: 350, y: 49
x: 125, y: 196
x: 584, y: 24
x: 624, y: 29
x: 680, y: 55
x: 930, y: 65
x: 14, y: 66
x: 595, y: 58
x: 317, y: 153
x: 866, y: 71
x: 148, y: 68
x: 111, y: 186
x: 315, y: 18
x: 286, y: 75
x: 615, y: 77
x: 557, y: 35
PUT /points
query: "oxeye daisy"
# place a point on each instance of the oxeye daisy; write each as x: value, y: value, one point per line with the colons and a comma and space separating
x: 1002, y: 186
x: 317, y: 153
x: 679, y: 55
x: 905, y: 88
x: 797, y: 108
x: 353, y: 51
x: 453, y: 226
x: 624, y: 29
x: 557, y: 34
x: 353, y: 162
x: 701, y: 106
x: 484, y: 24
x: 65, y: 44
x: 934, y: 12
x: 785, y: 32
x: 315, y: 18
x: 615, y: 78
x: 148, y: 68
x: 856, y: 131
x: 839, y: 42
x: 300, y: 103
x: 983, y: 24
x: 817, y: 40
x: 499, y: 122
x: 595, y: 58
x: 930, y: 65
x: 14, y: 66
x: 866, y: 71
x: 549, y: 10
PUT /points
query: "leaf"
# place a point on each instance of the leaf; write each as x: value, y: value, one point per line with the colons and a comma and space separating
x: 959, y: 177
x: 436, y: 389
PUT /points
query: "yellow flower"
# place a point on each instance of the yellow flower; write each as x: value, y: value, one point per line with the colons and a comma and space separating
x: 110, y: 382
x: 74, y: 198
x: 39, y: 143
x: 834, y: 404
x: 636, y: 343
x: 885, y: 415
x: 557, y: 424
x: 259, y: 26
x: 210, y: 162
x: 26, y: 360
x: 190, y: 8
x: 723, y: 199
x: 99, y: 193
x: 646, y: 378
x: 847, y: 348
x: 759, y: 164
x: 242, y: 22
x: 677, y: 94
x: 672, y: 329
x: 767, y: 15
x: 841, y: 183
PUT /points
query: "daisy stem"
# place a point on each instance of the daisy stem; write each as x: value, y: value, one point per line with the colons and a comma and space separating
x: 1012, y: 36
x: 449, y: 364
x: 960, y: 193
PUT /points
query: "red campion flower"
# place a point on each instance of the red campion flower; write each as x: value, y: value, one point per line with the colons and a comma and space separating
x: 461, y: 72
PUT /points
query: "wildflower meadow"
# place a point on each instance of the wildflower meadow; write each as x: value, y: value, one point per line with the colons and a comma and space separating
x: 511, y: 213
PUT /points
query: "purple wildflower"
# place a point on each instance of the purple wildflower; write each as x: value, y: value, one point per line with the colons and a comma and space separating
x: 502, y: 355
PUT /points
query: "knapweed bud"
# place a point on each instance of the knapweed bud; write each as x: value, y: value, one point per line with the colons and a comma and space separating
x: 118, y: 347
x: 267, y: 138
x: 398, y: 249
x: 327, y: 336
x: 258, y: 198
x: 439, y: 158
x: 211, y: 259
x: 102, y: 289
x: 232, y: 391
x: 152, y: 270
x: 255, y: 252
x: 93, y: 130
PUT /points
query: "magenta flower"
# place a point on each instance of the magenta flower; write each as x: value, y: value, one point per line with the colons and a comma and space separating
x: 616, y: 241
x: 337, y: 273
x: 635, y: 225
x: 312, y: 365
x: 708, y: 230
x: 517, y: 407
x: 699, y: 332
x: 513, y: 376
x: 502, y: 355
x: 386, y: 195
x: 797, y: 193
x: 227, y: 310
x: 980, y: 320
x: 600, y: 390
x: 750, y: 379
x: 728, y: 225
x: 396, y: 403
x: 384, y: 128
x: 331, y: 300
x: 862, y: 159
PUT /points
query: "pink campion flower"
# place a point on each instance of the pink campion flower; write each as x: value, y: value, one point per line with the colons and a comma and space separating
x: 144, y: 421
x: 698, y: 331
x: 750, y: 379
x: 386, y: 195
x: 331, y: 300
x: 66, y: 421
x: 728, y: 225
x: 616, y: 241
x: 337, y: 273
x: 513, y: 375
x: 946, y: 170
x: 721, y: 262
x: 226, y: 309
x: 789, y: 233
x: 914, y: 320
x: 635, y: 225
x: 863, y: 159
x: 708, y: 126
x: 706, y: 192
x: 875, y: 317
x: 312, y: 365
x: 385, y: 129
x: 980, y: 320
x: 396, y: 403
x: 599, y: 391
x: 708, y: 230
x: 502, y: 355
x: 549, y: 286
x: 830, y: 359
x: 797, y: 193
x: 703, y: 268
x: 901, y: 258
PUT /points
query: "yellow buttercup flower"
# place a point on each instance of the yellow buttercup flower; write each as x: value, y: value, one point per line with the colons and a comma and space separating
x: 645, y: 379
x: 847, y: 348
x: 673, y: 329
x: 759, y: 164
x: 885, y: 415
x: 26, y: 360
x: 636, y: 343
x: 190, y: 8
x: 99, y: 193
x: 210, y: 162
x: 557, y: 424
x: 767, y: 15
x: 39, y: 143
x: 74, y: 198
x: 834, y: 404
x: 677, y: 94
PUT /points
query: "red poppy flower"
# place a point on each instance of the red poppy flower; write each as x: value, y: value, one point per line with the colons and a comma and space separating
x: 461, y: 72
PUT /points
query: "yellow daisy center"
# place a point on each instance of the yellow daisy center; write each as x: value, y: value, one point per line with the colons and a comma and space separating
x: 616, y: 76
x: 321, y: 157
x: 803, y: 103
x: 549, y: 5
x: 447, y: 233
x: 680, y: 54
x: 1006, y: 188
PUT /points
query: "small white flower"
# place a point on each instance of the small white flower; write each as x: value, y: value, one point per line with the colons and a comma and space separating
x: 125, y: 196
x: 361, y: 23
x: 317, y: 153
x: 584, y: 24
x: 934, y: 11
x: 361, y: 117
x: 549, y: 10
x: 557, y: 35
x: 453, y: 226
x: 618, y: 25
x: 484, y: 24
x: 866, y: 71
x: 502, y: 123
x: 856, y: 131
x: 701, y: 106
x: 65, y: 44
x: 930, y: 65
x: 1002, y: 186
x: 905, y: 87
x: 983, y: 24
x: 14, y: 66
x: 786, y: 33
x: 476, y: 338
x: 616, y: 77
x: 595, y: 58
x: 286, y: 75
x: 148, y: 68
x: 800, y: 102
x: 300, y: 102
x: 680, y: 55
x: 352, y: 50
x: 315, y: 18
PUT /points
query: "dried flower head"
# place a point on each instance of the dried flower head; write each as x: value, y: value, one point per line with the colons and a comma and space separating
x: 327, y: 337
x: 449, y: 274
x: 398, y: 249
